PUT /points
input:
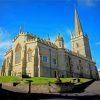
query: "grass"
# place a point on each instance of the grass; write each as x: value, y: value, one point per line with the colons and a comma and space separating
x: 9, y: 78
x: 38, y: 80
x: 84, y: 80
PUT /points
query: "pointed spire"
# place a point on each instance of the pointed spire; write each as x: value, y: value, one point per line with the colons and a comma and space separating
x: 78, y: 27
x: 48, y: 37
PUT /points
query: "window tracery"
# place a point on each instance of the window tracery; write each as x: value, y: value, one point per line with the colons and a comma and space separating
x: 18, y: 54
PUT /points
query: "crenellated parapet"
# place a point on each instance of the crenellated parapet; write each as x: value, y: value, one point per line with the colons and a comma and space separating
x: 23, y: 34
x: 34, y: 38
x: 78, y: 35
x: 30, y: 40
x: 78, y: 55
x: 46, y: 42
x: 43, y: 41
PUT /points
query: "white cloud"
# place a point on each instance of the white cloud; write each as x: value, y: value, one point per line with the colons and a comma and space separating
x: 5, y: 42
x: 98, y: 69
x: 66, y: 35
x: 2, y: 53
x: 69, y: 31
x: 66, y: 32
x: 98, y: 43
x: 88, y: 3
x: 68, y: 45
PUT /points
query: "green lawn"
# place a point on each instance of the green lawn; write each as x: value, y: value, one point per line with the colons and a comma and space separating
x: 38, y: 80
x: 9, y: 78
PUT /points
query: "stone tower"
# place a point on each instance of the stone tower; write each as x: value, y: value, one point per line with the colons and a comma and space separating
x: 59, y: 41
x: 80, y: 41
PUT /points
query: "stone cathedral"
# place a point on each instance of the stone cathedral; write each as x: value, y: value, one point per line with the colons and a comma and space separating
x: 36, y: 57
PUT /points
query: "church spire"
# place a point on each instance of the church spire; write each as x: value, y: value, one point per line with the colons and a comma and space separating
x: 80, y: 42
x: 78, y: 27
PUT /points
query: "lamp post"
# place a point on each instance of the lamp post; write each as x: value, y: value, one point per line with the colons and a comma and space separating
x: 29, y: 85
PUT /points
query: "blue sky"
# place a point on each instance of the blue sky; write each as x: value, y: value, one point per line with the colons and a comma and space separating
x: 43, y: 17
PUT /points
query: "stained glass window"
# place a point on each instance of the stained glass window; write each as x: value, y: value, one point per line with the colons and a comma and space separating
x: 18, y: 54
x: 29, y: 55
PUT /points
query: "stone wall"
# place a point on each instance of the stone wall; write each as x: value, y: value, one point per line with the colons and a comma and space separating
x: 38, y: 88
x: 35, y: 88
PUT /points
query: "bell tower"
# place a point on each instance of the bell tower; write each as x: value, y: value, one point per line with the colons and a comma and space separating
x: 59, y: 41
x: 80, y: 41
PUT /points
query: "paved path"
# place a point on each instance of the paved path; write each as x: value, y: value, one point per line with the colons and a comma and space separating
x: 94, y: 87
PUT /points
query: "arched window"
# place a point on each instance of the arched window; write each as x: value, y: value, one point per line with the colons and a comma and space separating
x: 18, y: 54
x: 77, y: 45
x: 29, y: 55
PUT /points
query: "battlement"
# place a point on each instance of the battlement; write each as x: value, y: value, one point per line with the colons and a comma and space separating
x: 44, y: 41
x: 79, y: 35
x: 79, y: 55
x: 23, y: 34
